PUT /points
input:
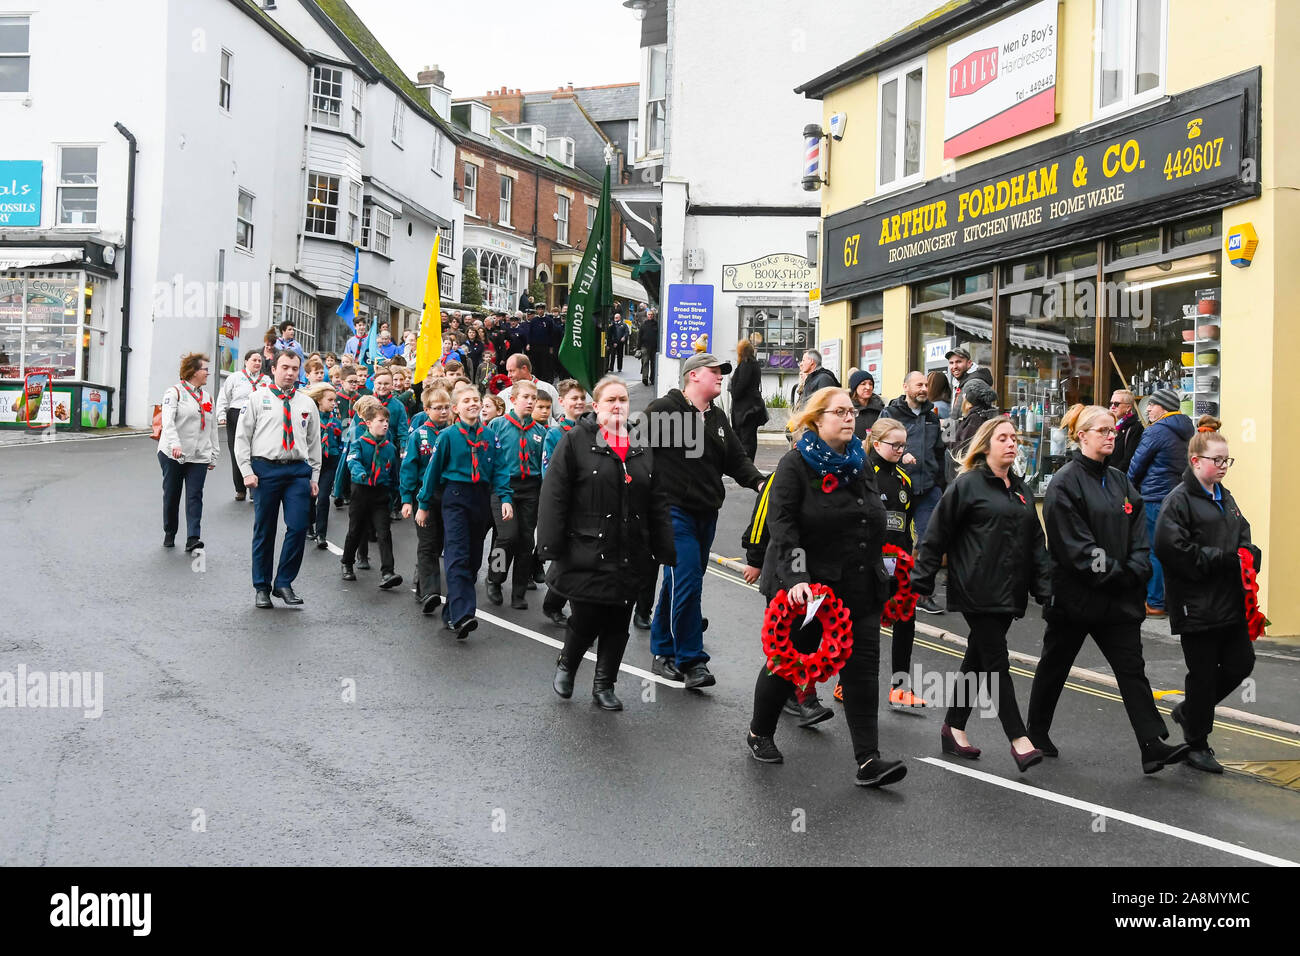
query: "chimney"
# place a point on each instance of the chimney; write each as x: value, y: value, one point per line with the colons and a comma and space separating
x: 506, y: 103
x: 564, y: 93
x: 430, y: 76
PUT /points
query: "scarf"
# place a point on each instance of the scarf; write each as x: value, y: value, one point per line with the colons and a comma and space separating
x: 824, y: 460
x: 523, y: 444
x: 474, y: 444
x: 286, y: 440
x: 377, y: 443
x: 248, y: 378
x: 198, y: 400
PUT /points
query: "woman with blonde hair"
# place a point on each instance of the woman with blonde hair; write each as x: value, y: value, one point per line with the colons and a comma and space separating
x: 748, y: 410
x: 987, y: 526
x: 827, y: 526
x: 1199, y: 535
x: 188, y: 448
x: 1100, y: 563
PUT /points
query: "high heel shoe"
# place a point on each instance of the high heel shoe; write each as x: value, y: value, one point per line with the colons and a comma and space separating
x: 950, y: 745
x: 1026, y: 760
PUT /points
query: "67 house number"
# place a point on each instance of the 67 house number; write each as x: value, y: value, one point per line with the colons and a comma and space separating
x: 851, y: 250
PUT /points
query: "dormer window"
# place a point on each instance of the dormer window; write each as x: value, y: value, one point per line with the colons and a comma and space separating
x: 561, y: 149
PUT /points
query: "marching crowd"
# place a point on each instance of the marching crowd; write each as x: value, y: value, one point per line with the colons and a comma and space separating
x: 871, y: 501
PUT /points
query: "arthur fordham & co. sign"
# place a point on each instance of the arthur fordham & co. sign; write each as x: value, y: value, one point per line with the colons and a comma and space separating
x: 1196, y: 152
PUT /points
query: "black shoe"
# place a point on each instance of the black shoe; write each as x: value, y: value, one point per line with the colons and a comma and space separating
x: 530, y: 586
x: 1156, y: 755
x: 642, y: 623
x: 338, y: 503
x: 322, y: 544
x: 240, y: 495
x: 1044, y: 743
x: 665, y: 668
x: 169, y: 541
x: 390, y: 581
x: 604, y: 698
x: 348, y: 573
x: 494, y: 593
x: 1204, y: 760
x: 929, y: 605
x: 539, y: 574
x: 704, y: 624
x: 763, y: 749
x: 879, y: 772
x: 563, y: 682
x: 430, y: 602
x: 810, y: 712
x: 363, y: 564
x: 697, y: 675
x: 192, y: 544
x: 1177, y: 714
x: 518, y: 603
x: 286, y: 595
x: 557, y: 618
x: 263, y: 599
x: 464, y: 626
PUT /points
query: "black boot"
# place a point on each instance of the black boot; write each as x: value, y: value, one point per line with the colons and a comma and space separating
x: 609, y: 654
x: 564, y: 676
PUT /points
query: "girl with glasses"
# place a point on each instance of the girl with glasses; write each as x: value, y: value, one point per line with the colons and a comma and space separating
x: 1100, y: 563
x: 1198, y: 536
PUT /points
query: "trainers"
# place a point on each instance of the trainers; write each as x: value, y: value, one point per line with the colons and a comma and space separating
x: 929, y: 605
x: 811, y: 711
x: 879, y: 772
x: 839, y: 693
x: 763, y: 749
x: 901, y: 699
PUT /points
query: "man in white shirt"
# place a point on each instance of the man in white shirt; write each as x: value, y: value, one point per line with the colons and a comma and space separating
x: 520, y: 369
x: 279, y: 454
x: 232, y: 400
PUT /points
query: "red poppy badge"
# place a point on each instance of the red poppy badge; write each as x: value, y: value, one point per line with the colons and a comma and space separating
x: 830, y: 483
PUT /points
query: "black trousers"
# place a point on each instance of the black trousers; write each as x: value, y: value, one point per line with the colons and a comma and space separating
x: 901, y: 652
x: 648, y: 369
x: 369, y: 511
x: 860, y: 676
x: 232, y: 423
x: 748, y: 436
x: 1217, y: 661
x: 1121, y: 644
x: 645, y: 597
x: 428, y: 549
x: 604, y: 625
x: 614, y: 357
x: 513, y: 541
x: 319, y: 519
x: 191, y: 476
x: 986, y: 655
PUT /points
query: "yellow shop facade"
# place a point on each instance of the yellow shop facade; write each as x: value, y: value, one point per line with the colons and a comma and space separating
x: 1086, y: 195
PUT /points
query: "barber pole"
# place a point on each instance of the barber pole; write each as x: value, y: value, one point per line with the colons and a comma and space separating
x: 812, y: 157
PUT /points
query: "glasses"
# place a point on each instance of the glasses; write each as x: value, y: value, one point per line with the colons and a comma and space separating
x: 896, y: 445
x: 1118, y: 404
x: 1219, y: 462
x: 843, y: 413
x: 1105, y: 432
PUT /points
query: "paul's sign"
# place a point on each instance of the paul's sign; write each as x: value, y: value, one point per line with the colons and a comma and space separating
x: 20, y: 192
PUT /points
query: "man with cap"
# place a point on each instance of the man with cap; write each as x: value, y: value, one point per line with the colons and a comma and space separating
x: 694, y: 447
x: 1157, y: 469
x: 867, y: 405
x: 539, y: 338
x: 963, y: 369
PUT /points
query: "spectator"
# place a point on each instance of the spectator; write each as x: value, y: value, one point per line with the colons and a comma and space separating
x: 1129, y: 427
x: 748, y: 410
x: 963, y: 369
x: 648, y: 342
x: 941, y: 395
x: 867, y: 405
x: 1156, y: 469
x: 812, y: 378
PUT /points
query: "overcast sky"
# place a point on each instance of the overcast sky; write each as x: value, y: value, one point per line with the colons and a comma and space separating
x: 524, y: 44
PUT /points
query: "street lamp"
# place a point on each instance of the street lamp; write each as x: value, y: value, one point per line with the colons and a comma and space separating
x: 638, y: 7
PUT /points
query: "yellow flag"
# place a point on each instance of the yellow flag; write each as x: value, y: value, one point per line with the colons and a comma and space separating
x: 428, y: 346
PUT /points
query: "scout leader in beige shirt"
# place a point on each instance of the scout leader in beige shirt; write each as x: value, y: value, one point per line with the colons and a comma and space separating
x: 261, y: 431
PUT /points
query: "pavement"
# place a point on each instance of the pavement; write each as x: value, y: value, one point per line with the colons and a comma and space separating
x: 354, y: 730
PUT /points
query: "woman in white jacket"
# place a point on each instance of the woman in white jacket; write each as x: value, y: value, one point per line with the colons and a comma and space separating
x: 187, y: 449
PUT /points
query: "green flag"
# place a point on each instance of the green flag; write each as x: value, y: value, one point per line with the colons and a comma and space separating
x: 583, y: 350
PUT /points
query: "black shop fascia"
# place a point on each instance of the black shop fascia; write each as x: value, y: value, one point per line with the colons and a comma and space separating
x: 1193, y: 153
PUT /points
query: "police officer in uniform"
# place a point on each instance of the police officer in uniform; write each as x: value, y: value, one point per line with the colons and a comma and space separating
x: 279, y: 452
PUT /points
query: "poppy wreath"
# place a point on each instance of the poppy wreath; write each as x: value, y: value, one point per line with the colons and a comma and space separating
x: 497, y: 382
x: 804, y: 670
x: 1255, y: 619
x: 902, y: 606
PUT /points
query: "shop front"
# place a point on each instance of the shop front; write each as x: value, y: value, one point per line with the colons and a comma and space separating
x: 54, y: 308
x: 504, y: 265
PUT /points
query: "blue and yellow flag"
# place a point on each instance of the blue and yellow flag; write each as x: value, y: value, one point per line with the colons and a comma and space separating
x: 347, y: 309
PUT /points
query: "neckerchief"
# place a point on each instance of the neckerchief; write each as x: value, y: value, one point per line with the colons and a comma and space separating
x: 474, y: 444
x: 248, y: 378
x: 286, y: 440
x: 824, y: 460
x: 377, y: 443
x: 198, y: 400
x: 523, y: 444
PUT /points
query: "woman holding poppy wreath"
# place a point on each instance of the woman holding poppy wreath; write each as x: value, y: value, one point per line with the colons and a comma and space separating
x: 1100, y: 564
x: 827, y: 526
x: 188, y: 448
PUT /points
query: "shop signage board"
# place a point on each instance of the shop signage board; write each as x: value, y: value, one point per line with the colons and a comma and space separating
x: 688, y: 316
x: 779, y: 272
x: 1199, y: 151
x: 20, y: 192
x: 1001, y: 81
x: 94, y: 407
x: 228, y: 343
x: 831, y: 350
x: 13, y: 406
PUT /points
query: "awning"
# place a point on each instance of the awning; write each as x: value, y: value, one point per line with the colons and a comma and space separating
x: 651, y: 261
x: 627, y: 289
x: 1025, y: 338
x: 32, y: 258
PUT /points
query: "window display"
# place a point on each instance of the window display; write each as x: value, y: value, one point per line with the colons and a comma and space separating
x: 780, y: 334
x: 40, y: 325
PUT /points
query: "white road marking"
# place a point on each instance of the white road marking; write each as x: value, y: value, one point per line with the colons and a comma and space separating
x: 1122, y: 816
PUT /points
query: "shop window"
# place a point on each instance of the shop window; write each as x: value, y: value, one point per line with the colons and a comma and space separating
x: 1201, y: 229
x: 499, y: 276
x: 244, y: 221
x: 78, y: 185
x: 1137, y: 244
x: 780, y: 334
x: 934, y: 332
x: 15, y: 54
x: 326, y: 96
x: 1074, y: 258
x: 40, y: 324
x: 869, y: 308
x: 939, y: 291
x: 1026, y: 270
x: 1130, y: 54
x: 1166, y: 333
x: 223, y: 81
x: 902, y: 126
x: 868, y: 349
x: 322, y: 204
x: 974, y: 282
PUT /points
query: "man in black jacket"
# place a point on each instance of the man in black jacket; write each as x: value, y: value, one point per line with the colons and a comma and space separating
x: 648, y: 343
x: 963, y: 370
x: 695, y: 447
x: 1128, y: 429
x: 812, y: 377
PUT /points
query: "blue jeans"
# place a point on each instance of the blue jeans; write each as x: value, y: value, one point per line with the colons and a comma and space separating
x: 287, y: 483
x: 922, y: 508
x: 191, y: 475
x: 466, y: 517
x: 675, y: 632
x: 1156, y: 586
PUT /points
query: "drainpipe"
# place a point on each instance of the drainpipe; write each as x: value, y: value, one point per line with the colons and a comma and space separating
x: 126, y: 270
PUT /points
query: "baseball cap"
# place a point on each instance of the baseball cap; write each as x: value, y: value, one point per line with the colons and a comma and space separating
x: 704, y: 360
x: 957, y: 351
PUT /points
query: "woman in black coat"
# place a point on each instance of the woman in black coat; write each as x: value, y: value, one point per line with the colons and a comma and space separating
x: 748, y: 409
x: 1198, y: 535
x: 1100, y: 564
x: 987, y: 525
x: 827, y: 526
x: 604, y: 525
